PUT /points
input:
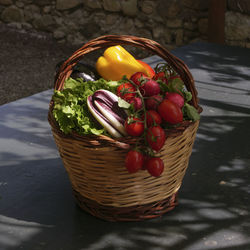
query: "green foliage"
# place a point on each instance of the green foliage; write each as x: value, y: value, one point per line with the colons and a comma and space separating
x: 71, y: 110
x: 190, y: 113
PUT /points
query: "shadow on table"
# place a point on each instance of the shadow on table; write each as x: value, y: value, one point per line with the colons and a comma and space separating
x: 213, y: 210
x: 25, y: 121
x: 228, y: 64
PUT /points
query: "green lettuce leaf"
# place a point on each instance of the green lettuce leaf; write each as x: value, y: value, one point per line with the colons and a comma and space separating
x: 190, y: 112
x: 70, y: 106
x: 187, y: 95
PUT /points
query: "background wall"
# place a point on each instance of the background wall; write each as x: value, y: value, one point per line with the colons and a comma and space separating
x: 170, y: 22
x: 237, y: 26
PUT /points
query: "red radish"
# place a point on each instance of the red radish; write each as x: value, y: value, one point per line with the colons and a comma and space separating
x: 153, y: 101
x: 150, y: 87
x: 175, y: 98
x: 136, y: 102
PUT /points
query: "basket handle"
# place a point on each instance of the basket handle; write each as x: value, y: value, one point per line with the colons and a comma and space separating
x: 110, y: 40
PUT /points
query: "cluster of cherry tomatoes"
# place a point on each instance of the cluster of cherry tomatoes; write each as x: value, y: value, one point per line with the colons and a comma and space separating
x: 153, y: 108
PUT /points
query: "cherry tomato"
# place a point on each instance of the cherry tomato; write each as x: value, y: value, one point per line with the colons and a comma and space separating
x: 153, y: 118
x: 170, y: 112
x: 153, y: 101
x: 137, y: 78
x: 161, y: 76
x: 156, y: 137
x: 134, y: 161
x: 134, y: 126
x: 155, y: 166
x: 149, y: 70
x: 126, y: 91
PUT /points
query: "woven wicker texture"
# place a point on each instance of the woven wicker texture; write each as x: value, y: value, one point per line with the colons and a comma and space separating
x: 100, y: 174
x: 135, y: 213
x: 95, y: 164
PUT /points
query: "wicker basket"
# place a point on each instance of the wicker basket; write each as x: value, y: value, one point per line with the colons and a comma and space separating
x: 95, y: 164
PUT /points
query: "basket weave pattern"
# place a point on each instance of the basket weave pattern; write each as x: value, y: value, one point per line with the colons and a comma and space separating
x: 95, y: 164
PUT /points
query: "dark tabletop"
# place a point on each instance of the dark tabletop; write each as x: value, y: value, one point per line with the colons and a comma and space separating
x: 37, y: 209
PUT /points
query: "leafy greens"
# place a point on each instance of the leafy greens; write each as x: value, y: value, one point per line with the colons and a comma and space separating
x: 70, y: 109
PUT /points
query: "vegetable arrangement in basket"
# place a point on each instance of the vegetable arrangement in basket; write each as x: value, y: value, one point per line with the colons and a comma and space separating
x: 128, y: 99
x: 114, y: 122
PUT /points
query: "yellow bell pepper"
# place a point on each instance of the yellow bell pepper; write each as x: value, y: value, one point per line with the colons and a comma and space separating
x: 117, y: 62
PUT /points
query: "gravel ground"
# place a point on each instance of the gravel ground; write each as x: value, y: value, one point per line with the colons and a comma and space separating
x: 27, y: 62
